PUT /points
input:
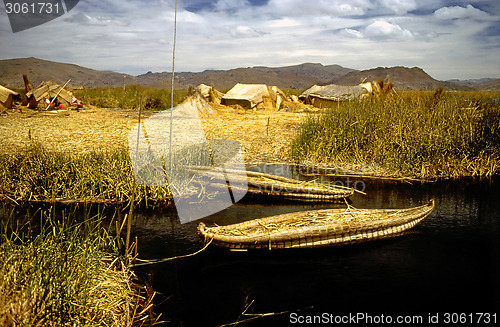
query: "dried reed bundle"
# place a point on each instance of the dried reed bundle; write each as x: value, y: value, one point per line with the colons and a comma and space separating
x: 263, y: 184
x: 316, y: 228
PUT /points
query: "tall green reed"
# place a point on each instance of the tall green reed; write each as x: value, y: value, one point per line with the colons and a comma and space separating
x: 64, y: 273
x: 130, y: 98
x: 37, y: 174
x: 422, y: 134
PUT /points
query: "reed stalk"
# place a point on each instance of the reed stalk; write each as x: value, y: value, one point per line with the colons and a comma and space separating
x: 36, y: 174
x: 154, y: 99
x: 67, y: 273
x: 414, y: 134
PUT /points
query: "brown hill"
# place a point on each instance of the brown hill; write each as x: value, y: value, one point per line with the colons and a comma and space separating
x: 493, y: 85
x: 38, y: 70
x: 403, y: 78
x: 291, y: 77
x: 486, y: 84
x: 298, y: 77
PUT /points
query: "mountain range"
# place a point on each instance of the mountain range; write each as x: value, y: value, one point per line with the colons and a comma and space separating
x: 298, y: 77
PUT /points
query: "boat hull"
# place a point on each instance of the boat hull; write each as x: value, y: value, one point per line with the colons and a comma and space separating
x: 309, y: 229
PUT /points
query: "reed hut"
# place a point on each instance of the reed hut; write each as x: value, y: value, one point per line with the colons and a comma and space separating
x: 210, y: 93
x: 325, y: 96
x: 204, y: 106
x: 7, y: 97
x: 254, y: 96
x: 48, y: 90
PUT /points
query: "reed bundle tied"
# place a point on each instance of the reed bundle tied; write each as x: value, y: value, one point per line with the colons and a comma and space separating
x: 315, y: 228
x: 311, y: 219
x: 264, y: 184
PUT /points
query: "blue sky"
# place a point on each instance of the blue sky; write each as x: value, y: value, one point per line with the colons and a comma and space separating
x: 447, y: 38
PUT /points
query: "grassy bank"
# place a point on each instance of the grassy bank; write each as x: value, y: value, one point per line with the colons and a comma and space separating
x: 37, y: 174
x: 416, y: 134
x: 67, y: 274
x: 130, y: 98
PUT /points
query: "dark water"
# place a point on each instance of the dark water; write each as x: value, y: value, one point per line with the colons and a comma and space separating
x: 449, y: 263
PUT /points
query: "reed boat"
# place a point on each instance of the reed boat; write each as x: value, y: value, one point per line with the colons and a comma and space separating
x: 315, y: 228
x: 259, y: 185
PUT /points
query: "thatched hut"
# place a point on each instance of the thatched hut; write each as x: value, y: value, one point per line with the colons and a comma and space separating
x: 7, y: 97
x: 195, y: 96
x: 210, y: 93
x: 254, y: 96
x: 48, y: 90
x: 324, y: 96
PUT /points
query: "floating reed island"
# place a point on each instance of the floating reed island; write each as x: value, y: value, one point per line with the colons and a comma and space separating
x: 315, y: 228
x: 424, y: 135
x: 259, y: 185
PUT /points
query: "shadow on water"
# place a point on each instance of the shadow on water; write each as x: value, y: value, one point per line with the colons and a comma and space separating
x: 447, y: 263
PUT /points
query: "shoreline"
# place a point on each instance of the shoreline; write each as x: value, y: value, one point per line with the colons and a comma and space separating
x: 83, y: 156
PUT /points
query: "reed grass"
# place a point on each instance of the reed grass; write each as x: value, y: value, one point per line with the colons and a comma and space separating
x: 66, y: 274
x: 413, y: 134
x: 36, y: 174
x: 130, y: 98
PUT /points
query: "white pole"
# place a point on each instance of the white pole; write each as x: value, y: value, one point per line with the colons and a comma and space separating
x: 172, y: 95
x: 57, y: 94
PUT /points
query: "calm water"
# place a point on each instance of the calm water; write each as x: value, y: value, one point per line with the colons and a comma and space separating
x: 448, y: 263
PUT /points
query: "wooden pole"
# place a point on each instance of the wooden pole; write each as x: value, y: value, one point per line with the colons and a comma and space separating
x: 57, y: 94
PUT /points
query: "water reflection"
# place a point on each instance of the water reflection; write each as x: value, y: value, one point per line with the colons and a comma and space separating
x: 450, y: 261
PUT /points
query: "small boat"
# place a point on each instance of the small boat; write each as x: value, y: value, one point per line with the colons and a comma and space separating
x: 259, y: 185
x: 315, y: 228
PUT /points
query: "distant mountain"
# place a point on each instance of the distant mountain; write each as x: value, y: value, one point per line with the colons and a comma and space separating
x: 483, y: 84
x: 403, y: 78
x: 473, y: 80
x: 38, y: 70
x: 291, y: 77
x: 298, y: 77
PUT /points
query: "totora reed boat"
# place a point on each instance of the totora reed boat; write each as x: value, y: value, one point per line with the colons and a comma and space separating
x: 315, y: 228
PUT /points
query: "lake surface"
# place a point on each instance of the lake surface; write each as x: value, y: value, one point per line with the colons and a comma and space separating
x: 449, y: 263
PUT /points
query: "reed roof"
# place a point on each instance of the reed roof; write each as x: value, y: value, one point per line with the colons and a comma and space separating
x: 5, y: 93
x: 334, y: 92
x: 49, y: 89
x: 254, y: 94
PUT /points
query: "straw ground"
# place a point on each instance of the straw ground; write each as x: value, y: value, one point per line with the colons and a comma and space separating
x: 84, y: 155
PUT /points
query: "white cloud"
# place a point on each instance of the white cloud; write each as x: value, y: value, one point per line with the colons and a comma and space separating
x: 336, y: 8
x: 84, y: 19
x: 399, y: 7
x: 136, y: 36
x: 457, y: 12
x: 351, y: 33
x: 384, y: 30
x: 285, y: 22
x: 242, y: 31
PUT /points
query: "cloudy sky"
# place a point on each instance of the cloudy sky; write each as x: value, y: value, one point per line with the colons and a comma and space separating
x: 447, y: 38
